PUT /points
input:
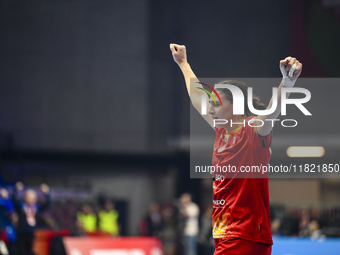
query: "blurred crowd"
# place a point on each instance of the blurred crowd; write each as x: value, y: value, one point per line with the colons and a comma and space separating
x: 20, y: 217
x: 183, y: 226
x: 314, y: 222
x: 24, y: 210
x: 183, y: 229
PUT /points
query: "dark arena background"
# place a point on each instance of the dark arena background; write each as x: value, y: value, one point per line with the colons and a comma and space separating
x: 93, y: 105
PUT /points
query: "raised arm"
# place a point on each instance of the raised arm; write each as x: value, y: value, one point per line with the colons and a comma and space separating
x: 180, y: 57
x: 291, y: 69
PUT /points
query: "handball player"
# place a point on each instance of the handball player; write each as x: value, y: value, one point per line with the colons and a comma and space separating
x: 241, y: 216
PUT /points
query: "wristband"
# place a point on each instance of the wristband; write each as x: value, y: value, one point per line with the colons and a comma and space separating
x: 287, y: 75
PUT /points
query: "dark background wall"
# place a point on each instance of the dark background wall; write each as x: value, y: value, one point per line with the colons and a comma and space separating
x: 99, y: 76
x: 74, y: 74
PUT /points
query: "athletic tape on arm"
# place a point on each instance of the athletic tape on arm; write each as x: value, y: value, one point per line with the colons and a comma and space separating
x: 286, y: 81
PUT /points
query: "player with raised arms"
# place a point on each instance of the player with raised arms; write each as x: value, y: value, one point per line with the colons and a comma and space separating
x: 241, y: 224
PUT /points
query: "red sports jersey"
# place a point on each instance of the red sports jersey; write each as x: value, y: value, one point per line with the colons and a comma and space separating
x: 241, y: 205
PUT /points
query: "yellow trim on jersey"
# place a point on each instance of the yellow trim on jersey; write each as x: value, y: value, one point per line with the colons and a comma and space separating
x: 233, y: 131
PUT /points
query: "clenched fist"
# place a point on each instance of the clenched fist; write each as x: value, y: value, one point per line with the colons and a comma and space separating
x: 179, y: 53
x: 291, y: 69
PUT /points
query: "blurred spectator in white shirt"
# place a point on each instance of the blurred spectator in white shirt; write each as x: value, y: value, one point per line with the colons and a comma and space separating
x: 190, y: 211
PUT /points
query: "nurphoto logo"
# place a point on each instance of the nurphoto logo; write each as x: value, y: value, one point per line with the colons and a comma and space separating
x: 238, y: 103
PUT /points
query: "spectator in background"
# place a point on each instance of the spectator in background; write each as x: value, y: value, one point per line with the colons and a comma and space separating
x: 143, y: 226
x: 28, y: 215
x: 88, y: 218
x: 205, y: 239
x: 6, y: 216
x: 304, y: 223
x: 108, y: 219
x: 290, y: 223
x: 314, y: 230
x: 78, y: 229
x: 154, y: 220
x: 190, y: 211
x: 276, y: 227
